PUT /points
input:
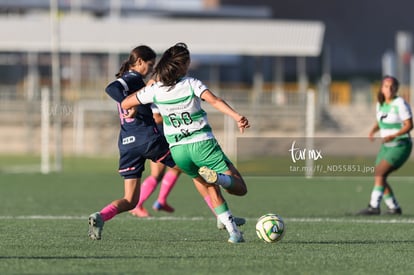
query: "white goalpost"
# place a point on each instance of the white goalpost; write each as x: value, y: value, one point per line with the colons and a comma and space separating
x: 310, y: 129
x: 45, y: 133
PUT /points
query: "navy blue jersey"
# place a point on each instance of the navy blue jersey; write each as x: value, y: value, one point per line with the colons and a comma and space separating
x: 139, y: 138
x: 142, y: 127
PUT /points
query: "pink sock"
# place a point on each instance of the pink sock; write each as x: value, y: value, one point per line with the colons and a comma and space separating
x: 208, y: 201
x: 147, y: 188
x: 108, y: 212
x: 167, y: 183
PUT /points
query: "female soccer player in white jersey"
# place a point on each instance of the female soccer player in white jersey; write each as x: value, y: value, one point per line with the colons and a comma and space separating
x: 394, y: 122
x: 167, y: 177
x: 186, y: 128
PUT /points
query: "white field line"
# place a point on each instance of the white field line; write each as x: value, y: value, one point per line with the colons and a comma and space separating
x: 176, y: 218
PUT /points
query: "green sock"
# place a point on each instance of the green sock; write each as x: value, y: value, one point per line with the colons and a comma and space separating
x: 221, y: 208
x: 391, y: 201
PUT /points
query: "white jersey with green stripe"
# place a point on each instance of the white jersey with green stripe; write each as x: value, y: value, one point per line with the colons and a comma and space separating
x: 180, y: 106
x: 391, y: 116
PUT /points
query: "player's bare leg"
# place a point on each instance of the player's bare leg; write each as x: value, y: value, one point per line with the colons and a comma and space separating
x: 221, y: 209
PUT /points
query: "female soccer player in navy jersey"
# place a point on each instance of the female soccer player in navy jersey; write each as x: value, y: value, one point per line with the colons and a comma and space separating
x: 138, y: 138
x: 138, y: 141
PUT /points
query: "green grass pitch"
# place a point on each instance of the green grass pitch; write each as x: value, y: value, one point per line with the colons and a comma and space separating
x: 43, y: 226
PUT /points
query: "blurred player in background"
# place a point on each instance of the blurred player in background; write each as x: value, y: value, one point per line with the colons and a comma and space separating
x: 394, y: 122
x: 192, y: 143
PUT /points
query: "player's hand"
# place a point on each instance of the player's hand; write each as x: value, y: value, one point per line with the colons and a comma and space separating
x: 243, y: 123
x: 151, y: 81
x: 371, y: 136
x: 388, y: 138
x: 130, y: 113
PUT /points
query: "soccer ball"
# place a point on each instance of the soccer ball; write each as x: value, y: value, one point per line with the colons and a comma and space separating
x: 270, y: 228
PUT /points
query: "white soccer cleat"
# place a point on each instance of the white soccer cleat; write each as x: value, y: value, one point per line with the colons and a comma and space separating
x: 238, y: 221
x: 210, y: 176
x: 236, y: 238
x: 96, y: 224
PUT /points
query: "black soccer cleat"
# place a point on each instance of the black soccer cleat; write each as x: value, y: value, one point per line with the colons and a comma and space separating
x: 369, y: 211
x: 396, y: 211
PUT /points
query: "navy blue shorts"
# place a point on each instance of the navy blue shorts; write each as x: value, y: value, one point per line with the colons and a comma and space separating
x: 160, y: 128
x: 132, y: 158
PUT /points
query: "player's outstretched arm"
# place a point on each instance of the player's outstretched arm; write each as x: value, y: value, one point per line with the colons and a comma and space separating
x: 130, y: 101
x: 222, y: 106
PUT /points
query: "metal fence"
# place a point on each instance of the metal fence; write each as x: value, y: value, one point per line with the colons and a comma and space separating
x: 90, y: 126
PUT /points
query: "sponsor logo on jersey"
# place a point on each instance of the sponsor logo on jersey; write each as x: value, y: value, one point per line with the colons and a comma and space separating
x: 128, y: 140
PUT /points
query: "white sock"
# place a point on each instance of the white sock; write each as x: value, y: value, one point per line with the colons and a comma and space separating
x: 391, y: 202
x: 376, y: 197
x: 227, y: 219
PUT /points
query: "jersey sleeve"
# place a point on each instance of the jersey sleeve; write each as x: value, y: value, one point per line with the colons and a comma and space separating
x: 146, y: 95
x: 404, y: 110
x: 119, y: 89
x: 116, y: 91
x: 154, y: 109
x: 198, y: 86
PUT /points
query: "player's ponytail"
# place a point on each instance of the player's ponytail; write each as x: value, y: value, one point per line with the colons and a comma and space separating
x: 124, y: 68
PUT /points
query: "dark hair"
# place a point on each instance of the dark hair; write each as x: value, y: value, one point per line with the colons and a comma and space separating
x: 173, y: 64
x: 143, y: 52
x: 395, y: 86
